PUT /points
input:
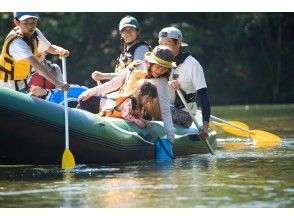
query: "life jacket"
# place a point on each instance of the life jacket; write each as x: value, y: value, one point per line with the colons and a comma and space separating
x: 38, y: 80
x: 128, y: 56
x: 10, y: 69
x: 133, y: 77
x: 113, y: 111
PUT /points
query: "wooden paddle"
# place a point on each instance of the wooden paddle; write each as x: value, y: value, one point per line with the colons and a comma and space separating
x: 195, y: 121
x: 261, y: 138
x: 68, y: 160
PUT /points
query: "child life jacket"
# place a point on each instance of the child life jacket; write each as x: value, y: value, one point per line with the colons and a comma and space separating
x: 10, y: 69
x: 113, y: 111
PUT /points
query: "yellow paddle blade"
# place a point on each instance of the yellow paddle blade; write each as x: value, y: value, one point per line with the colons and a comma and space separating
x: 235, y: 131
x: 264, y: 138
x: 213, y: 126
x: 68, y: 160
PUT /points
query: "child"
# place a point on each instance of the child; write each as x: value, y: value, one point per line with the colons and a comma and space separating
x: 40, y: 86
x: 20, y: 47
x: 132, y: 107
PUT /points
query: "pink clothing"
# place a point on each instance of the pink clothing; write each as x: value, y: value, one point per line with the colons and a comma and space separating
x: 128, y: 114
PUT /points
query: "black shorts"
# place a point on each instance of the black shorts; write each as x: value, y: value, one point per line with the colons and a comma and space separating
x: 91, y: 105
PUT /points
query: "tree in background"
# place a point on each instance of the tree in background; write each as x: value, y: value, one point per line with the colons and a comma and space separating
x: 247, y: 57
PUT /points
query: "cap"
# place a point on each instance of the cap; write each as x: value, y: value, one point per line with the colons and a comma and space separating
x: 161, y: 55
x: 171, y: 32
x: 25, y: 15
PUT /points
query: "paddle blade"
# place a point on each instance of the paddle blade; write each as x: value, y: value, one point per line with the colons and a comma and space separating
x: 213, y: 126
x: 68, y: 160
x: 235, y: 131
x: 264, y: 138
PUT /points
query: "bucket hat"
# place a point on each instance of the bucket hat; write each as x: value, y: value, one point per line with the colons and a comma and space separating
x: 161, y: 55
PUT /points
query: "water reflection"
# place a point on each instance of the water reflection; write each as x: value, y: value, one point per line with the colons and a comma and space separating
x: 239, y: 175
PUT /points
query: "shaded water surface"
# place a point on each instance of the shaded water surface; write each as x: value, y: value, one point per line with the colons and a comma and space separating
x: 239, y: 175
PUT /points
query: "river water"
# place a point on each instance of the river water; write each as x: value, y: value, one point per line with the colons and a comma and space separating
x: 239, y: 175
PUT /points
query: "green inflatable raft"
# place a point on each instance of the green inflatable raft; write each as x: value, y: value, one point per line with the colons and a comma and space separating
x: 32, y: 132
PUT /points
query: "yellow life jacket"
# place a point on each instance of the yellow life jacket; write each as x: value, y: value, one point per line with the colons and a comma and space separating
x: 122, y: 62
x: 113, y: 111
x: 10, y: 69
x: 133, y: 77
x: 128, y: 56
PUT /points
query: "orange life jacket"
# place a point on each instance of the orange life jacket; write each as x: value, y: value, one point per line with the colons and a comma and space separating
x: 113, y: 111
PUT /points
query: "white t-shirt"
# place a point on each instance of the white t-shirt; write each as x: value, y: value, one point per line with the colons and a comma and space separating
x: 19, y: 50
x: 190, y: 77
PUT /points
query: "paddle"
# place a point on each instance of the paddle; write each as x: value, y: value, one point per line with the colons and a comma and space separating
x: 261, y: 138
x: 195, y: 121
x: 68, y: 161
x: 231, y: 129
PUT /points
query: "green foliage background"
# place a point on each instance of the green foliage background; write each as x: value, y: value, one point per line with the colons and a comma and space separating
x: 247, y: 57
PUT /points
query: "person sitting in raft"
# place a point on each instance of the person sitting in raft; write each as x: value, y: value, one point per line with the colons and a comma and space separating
x: 189, y: 77
x: 38, y: 85
x: 20, y: 47
x: 158, y: 65
x: 132, y: 48
x: 132, y: 107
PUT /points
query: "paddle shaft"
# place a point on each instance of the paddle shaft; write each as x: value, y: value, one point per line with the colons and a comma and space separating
x: 65, y: 104
x: 194, y: 119
x: 228, y: 123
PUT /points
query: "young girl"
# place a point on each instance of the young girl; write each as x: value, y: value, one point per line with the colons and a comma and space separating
x: 132, y: 107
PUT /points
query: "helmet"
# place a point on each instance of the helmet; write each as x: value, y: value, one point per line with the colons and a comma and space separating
x: 128, y: 21
x: 171, y: 32
x: 25, y: 15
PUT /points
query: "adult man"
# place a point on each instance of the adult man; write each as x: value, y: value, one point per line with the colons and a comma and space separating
x: 158, y: 65
x: 132, y: 48
x: 187, y: 76
x: 20, y: 47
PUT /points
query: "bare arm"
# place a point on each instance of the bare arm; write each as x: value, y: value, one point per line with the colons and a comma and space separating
x: 54, y: 49
x: 41, y: 70
x: 97, y: 75
x: 105, y: 88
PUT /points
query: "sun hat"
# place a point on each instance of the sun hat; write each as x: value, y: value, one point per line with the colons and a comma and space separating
x: 161, y: 55
x: 25, y: 15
